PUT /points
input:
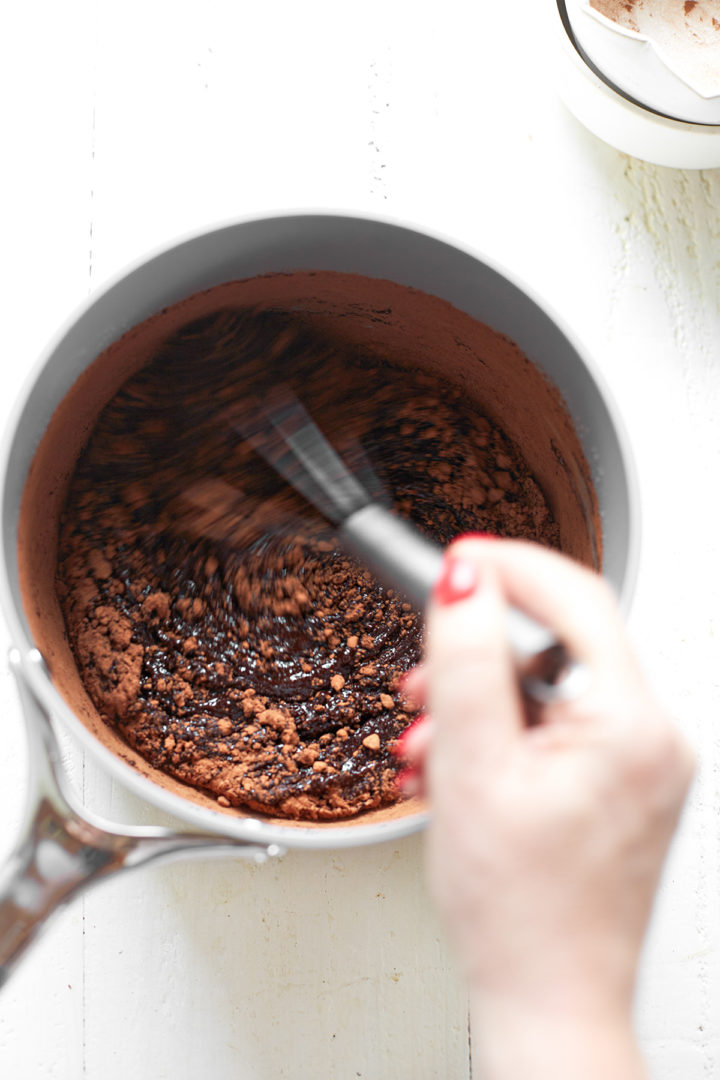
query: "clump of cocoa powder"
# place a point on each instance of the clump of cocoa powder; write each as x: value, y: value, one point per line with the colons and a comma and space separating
x: 215, y: 620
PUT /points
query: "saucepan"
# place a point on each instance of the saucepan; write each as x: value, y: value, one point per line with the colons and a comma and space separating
x: 542, y: 386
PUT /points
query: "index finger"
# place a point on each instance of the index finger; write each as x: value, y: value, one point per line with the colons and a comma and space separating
x: 572, y: 601
x: 472, y: 690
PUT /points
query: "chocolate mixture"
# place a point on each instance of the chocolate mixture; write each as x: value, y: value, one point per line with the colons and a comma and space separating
x: 215, y: 621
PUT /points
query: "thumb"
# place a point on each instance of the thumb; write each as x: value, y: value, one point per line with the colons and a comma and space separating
x: 473, y: 695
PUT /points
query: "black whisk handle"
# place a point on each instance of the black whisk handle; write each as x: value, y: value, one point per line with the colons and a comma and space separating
x: 406, y: 560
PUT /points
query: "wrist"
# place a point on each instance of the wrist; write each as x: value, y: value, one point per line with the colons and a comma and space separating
x: 515, y: 1040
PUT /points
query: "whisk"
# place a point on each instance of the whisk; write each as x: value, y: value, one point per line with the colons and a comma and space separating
x: 286, y: 436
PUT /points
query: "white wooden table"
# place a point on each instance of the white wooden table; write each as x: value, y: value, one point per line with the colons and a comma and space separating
x: 125, y: 125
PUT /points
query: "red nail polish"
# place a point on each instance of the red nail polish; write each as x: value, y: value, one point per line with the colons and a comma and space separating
x: 457, y: 581
x: 475, y: 536
x: 398, y: 747
x: 407, y: 781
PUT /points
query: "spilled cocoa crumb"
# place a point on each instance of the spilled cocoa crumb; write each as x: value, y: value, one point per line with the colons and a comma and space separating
x: 215, y: 621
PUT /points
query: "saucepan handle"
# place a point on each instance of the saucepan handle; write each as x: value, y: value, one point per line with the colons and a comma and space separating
x: 62, y: 851
x: 46, y: 869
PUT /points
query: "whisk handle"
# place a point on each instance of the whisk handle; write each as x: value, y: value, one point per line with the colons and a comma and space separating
x: 406, y: 560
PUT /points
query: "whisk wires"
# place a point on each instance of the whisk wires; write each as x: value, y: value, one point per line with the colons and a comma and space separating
x: 286, y: 436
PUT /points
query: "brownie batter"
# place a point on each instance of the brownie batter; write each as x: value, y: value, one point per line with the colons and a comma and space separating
x: 215, y: 621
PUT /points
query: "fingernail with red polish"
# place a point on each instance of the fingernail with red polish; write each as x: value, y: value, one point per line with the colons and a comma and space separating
x: 475, y: 536
x: 457, y: 581
x: 408, y: 781
x: 399, y: 746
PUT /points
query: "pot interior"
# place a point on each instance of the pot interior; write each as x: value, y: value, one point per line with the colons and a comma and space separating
x: 413, y: 330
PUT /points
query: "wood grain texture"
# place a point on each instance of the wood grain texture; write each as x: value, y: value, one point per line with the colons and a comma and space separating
x: 128, y: 126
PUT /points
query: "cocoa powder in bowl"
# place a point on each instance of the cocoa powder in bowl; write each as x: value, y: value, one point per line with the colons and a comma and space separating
x: 222, y: 641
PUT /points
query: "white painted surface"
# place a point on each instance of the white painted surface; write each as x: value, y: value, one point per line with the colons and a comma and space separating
x: 127, y: 124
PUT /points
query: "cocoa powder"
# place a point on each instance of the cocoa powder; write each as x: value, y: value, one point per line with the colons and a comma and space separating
x: 215, y: 621
x: 685, y: 34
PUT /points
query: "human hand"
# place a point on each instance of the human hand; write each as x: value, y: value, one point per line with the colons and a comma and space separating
x: 546, y: 842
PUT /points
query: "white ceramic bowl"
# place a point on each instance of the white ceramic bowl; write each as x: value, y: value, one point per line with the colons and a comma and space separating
x: 615, y: 119
x: 637, y: 66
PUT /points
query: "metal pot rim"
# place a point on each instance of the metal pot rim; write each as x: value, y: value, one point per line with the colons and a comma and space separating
x: 250, y: 828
